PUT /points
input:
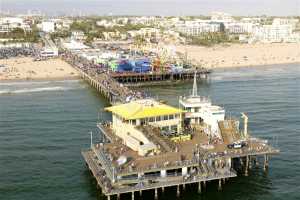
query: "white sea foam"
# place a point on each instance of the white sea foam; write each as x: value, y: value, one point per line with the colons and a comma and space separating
x: 33, y: 90
x: 36, y: 82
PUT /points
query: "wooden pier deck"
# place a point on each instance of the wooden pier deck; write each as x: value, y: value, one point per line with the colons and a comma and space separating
x: 101, y: 81
x: 116, y: 180
x: 98, y: 172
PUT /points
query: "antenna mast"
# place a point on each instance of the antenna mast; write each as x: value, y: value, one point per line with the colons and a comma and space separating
x: 195, y: 90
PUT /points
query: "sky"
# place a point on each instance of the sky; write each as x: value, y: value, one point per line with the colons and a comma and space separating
x: 154, y: 7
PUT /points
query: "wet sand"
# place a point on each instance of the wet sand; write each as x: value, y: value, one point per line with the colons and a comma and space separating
x: 26, y: 69
x: 242, y: 55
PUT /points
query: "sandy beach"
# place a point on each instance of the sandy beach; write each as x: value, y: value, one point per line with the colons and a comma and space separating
x: 240, y: 55
x: 26, y: 69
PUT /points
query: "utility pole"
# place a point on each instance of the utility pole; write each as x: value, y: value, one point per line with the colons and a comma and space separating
x: 245, y: 117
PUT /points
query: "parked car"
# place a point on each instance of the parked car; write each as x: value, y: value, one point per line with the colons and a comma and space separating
x: 237, y: 145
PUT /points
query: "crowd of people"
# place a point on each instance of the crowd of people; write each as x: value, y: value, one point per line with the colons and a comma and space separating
x: 119, y: 93
x: 10, y: 52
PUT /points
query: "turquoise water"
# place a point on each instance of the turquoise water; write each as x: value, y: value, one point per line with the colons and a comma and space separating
x: 44, y: 125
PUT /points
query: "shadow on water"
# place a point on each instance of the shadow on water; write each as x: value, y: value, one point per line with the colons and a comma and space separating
x: 91, y: 184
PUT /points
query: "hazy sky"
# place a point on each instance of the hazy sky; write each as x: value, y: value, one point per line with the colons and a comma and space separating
x: 155, y: 7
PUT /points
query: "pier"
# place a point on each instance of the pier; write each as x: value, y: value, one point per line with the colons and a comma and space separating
x: 114, y: 86
x: 149, y: 146
x: 152, y: 173
x: 113, y: 91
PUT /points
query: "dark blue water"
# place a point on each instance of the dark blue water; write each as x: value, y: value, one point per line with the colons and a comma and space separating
x: 44, y: 126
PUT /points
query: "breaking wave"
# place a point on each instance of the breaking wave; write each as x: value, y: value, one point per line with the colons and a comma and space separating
x: 36, y: 82
x: 33, y: 90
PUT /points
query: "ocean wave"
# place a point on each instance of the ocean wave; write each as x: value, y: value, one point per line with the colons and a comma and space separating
x: 37, y: 82
x: 33, y: 90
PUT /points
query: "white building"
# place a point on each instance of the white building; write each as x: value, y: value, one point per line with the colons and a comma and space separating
x: 77, y: 35
x: 7, y: 24
x: 48, y: 26
x: 239, y: 27
x: 105, y: 23
x: 221, y: 17
x: 74, y: 45
x: 285, y: 21
x: 200, y: 109
x: 273, y: 33
x: 48, y: 52
x: 145, y: 32
x: 194, y: 29
x: 145, y: 20
x: 129, y: 120
x: 254, y: 20
x: 66, y: 23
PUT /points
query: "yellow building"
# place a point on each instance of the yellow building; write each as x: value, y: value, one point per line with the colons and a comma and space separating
x: 126, y: 117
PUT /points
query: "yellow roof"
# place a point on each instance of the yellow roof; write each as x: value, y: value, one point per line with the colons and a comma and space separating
x: 143, y: 109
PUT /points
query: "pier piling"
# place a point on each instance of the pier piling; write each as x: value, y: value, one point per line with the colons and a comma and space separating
x: 256, y: 161
x: 199, y: 187
x: 220, y: 185
x: 247, y: 166
x: 155, y: 194
x: 266, y: 162
x: 178, y: 191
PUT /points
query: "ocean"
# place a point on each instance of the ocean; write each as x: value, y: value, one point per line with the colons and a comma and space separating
x: 45, y: 124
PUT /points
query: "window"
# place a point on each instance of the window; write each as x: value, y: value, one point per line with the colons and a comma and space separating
x: 151, y: 119
x: 166, y: 117
x: 157, y: 119
x: 133, y: 122
x: 174, y: 128
x: 165, y: 128
x: 188, y: 109
x: 171, y: 116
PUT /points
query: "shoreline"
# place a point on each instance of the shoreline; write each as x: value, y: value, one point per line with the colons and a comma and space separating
x: 41, y: 79
x: 212, y: 58
x: 254, y: 66
x: 77, y: 77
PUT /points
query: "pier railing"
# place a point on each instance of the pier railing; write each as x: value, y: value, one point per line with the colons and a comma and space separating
x: 105, y: 162
x: 169, y: 183
x: 143, y: 184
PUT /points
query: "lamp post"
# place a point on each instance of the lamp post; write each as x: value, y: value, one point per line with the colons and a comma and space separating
x: 91, y: 139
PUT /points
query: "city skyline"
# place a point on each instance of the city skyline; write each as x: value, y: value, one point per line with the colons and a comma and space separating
x: 154, y: 7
